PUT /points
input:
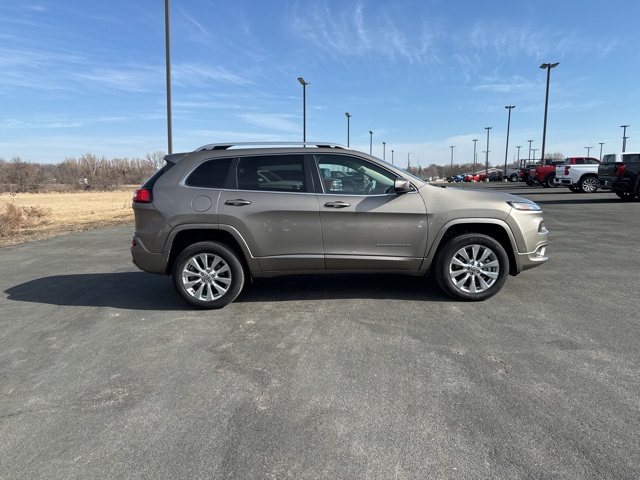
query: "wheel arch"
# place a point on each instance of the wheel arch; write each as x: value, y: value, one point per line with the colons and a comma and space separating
x: 186, y: 236
x: 497, y: 231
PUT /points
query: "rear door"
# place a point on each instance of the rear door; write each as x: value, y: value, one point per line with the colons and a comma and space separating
x: 271, y: 205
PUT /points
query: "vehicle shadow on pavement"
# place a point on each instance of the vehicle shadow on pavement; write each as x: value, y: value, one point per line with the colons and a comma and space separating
x: 127, y: 290
x: 143, y: 291
x: 343, y: 286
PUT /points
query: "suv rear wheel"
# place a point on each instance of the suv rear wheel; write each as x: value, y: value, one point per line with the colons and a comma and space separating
x: 471, y: 267
x: 208, y: 275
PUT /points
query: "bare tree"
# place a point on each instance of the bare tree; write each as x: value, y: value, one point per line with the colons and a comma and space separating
x: 156, y: 158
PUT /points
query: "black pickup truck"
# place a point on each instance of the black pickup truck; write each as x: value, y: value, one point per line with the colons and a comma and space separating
x: 620, y: 172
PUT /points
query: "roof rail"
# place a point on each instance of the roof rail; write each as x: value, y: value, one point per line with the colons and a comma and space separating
x: 231, y: 145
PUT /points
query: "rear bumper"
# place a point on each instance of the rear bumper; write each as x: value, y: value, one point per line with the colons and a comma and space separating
x: 146, y: 260
x: 566, y: 182
x: 621, y: 185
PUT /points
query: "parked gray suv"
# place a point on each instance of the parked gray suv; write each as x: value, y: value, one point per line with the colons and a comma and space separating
x: 214, y: 216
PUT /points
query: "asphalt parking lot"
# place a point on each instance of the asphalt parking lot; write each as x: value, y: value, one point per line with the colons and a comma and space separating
x: 106, y: 373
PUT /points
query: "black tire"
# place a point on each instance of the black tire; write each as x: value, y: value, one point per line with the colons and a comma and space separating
x: 513, y: 177
x: 462, y: 271
x: 588, y: 184
x: 626, y: 196
x: 574, y: 189
x: 548, y: 182
x: 208, y: 275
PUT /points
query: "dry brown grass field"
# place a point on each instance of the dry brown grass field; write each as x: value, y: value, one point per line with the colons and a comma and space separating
x: 25, y: 217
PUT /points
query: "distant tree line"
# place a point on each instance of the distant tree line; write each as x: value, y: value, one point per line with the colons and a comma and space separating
x: 84, y: 173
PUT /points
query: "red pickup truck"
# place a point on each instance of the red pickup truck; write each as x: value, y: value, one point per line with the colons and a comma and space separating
x: 544, y: 174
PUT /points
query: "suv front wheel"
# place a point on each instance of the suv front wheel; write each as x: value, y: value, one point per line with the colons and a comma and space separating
x: 208, y: 275
x: 471, y: 267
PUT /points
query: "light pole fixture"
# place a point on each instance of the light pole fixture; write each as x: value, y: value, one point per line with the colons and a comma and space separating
x: 601, y: 144
x: 506, y: 151
x: 547, y: 67
x: 534, y: 150
x: 487, y: 152
x: 588, y: 150
x: 304, y: 108
x: 475, y: 141
x: 384, y: 151
x: 348, y: 126
x: 370, y: 142
x: 530, y: 141
x: 624, y: 137
x: 452, y: 147
x: 168, y: 73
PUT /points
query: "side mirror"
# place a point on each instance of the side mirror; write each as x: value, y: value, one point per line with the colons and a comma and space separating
x: 402, y: 185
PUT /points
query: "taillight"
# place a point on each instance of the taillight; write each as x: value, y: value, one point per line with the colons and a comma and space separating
x: 142, y: 195
x: 566, y: 170
x: 619, y: 170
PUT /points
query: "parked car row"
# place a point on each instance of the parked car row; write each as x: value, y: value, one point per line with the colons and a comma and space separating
x: 618, y: 172
x: 495, y: 176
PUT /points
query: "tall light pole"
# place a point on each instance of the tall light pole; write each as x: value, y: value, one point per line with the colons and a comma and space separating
x: 168, y: 67
x: 534, y: 150
x: 370, y: 142
x: 530, y: 141
x: 348, y: 126
x: 487, y: 157
x: 304, y: 107
x: 384, y: 151
x: 475, y: 141
x: 624, y: 137
x: 518, y: 147
x: 601, y: 144
x: 547, y: 67
x: 588, y: 150
x: 392, y: 157
x: 506, y: 151
x: 452, y: 147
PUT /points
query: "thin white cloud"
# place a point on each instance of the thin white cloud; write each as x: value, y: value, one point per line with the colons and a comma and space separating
x: 511, y: 84
x: 354, y: 31
x: 201, y: 75
x: 279, y: 122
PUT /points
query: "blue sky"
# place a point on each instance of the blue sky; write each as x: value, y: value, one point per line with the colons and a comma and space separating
x: 89, y: 77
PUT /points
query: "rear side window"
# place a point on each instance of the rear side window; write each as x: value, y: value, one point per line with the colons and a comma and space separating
x: 210, y: 174
x: 272, y: 173
x: 152, y: 180
x: 631, y: 157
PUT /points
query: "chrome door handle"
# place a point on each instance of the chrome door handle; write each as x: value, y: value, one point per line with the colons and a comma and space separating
x: 237, y: 203
x: 337, y: 204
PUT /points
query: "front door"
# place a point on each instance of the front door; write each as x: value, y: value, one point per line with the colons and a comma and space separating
x: 366, y: 225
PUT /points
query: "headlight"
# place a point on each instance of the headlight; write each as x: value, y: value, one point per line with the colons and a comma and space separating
x: 526, y: 206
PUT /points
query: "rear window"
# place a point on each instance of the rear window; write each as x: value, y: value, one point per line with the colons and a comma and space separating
x: 210, y: 174
x: 631, y: 157
x: 611, y: 158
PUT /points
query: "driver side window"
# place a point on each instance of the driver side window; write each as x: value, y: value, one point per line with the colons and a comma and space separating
x: 347, y: 175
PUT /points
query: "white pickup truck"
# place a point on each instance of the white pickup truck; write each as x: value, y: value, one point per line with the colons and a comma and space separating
x: 580, y: 176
